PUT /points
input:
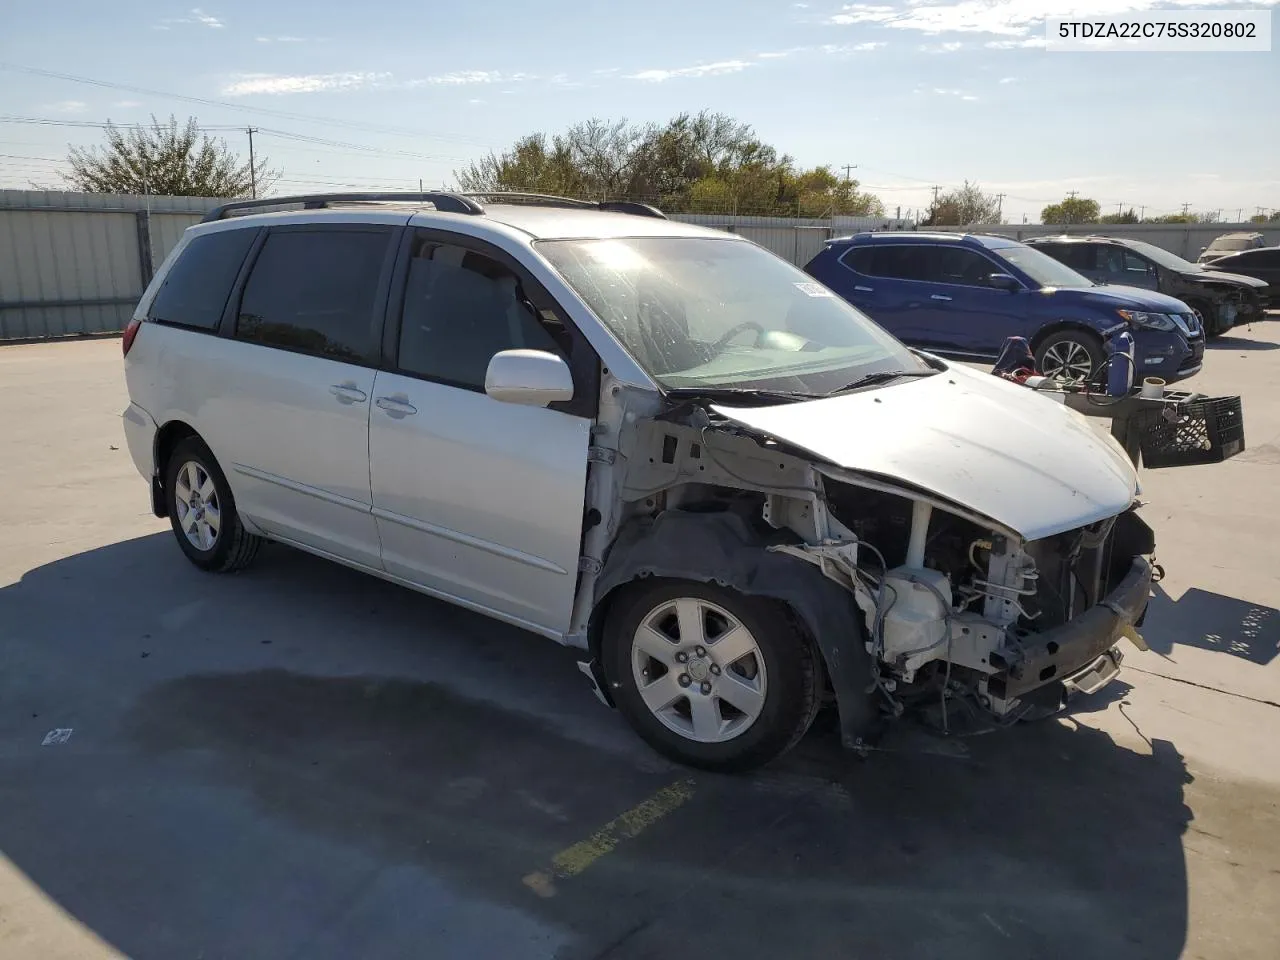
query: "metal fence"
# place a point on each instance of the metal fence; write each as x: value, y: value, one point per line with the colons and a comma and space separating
x: 76, y: 263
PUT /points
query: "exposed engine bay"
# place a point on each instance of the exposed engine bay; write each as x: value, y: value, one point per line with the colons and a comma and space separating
x: 954, y: 612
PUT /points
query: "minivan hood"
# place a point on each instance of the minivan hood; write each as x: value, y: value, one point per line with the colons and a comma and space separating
x: 998, y: 449
x: 1219, y: 277
x: 1127, y: 298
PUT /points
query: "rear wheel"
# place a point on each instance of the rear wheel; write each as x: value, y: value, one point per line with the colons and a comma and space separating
x: 708, y: 676
x: 202, y: 511
x: 1071, y: 356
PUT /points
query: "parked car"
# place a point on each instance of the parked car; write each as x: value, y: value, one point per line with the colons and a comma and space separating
x: 964, y: 295
x: 1221, y: 300
x: 652, y: 441
x: 1231, y: 243
x: 1262, y: 263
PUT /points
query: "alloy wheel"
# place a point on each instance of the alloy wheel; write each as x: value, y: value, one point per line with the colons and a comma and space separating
x: 199, y: 509
x: 1067, y: 361
x: 699, y: 670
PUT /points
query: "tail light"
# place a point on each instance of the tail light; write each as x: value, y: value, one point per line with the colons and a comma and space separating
x: 130, y: 334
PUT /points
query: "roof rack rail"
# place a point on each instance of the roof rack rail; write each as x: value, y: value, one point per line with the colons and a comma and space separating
x: 443, y: 201
x: 548, y: 200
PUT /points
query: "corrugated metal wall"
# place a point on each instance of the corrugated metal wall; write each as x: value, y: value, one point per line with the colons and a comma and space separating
x: 75, y: 263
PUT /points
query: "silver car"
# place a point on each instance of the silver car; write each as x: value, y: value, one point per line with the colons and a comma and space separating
x: 655, y: 442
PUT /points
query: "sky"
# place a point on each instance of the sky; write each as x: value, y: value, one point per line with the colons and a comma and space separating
x: 910, y: 93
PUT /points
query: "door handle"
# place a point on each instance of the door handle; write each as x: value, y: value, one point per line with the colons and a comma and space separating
x: 396, y: 407
x: 939, y: 296
x: 863, y: 289
x: 348, y: 393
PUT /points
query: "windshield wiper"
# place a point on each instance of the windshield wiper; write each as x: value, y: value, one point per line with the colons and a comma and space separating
x: 740, y: 393
x: 883, y: 376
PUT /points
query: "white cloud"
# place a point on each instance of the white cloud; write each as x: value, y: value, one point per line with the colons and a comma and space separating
x: 475, y: 101
x: 852, y: 47
x: 1010, y: 18
x: 1008, y: 79
x: 125, y: 104
x: 701, y: 70
x: 1029, y: 42
x: 196, y: 17
x: 68, y: 106
x: 952, y: 92
x: 272, y: 84
x: 281, y: 39
x: 951, y: 46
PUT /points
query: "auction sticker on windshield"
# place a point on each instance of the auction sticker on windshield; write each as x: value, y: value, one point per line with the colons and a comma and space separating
x: 814, y: 289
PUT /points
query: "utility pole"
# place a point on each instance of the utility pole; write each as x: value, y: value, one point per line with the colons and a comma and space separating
x: 1142, y: 212
x: 1120, y: 208
x: 420, y: 194
x: 1071, y: 194
x: 1000, y: 207
x: 1185, y: 208
x: 253, y: 171
x: 1240, y: 215
x: 848, y: 171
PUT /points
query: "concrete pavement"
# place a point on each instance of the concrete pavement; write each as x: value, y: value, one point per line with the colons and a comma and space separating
x: 300, y: 761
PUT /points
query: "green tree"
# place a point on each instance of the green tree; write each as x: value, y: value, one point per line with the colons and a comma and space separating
x: 1124, y: 216
x: 706, y: 161
x: 165, y: 159
x: 1071, y: 210
x: 1173, y: 218
x: 963, y: 206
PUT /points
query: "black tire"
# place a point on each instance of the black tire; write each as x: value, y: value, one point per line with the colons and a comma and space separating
x: 1204, y: 311
x: 792, y: 693
x: 234, y: 547
x: 1060, y: 343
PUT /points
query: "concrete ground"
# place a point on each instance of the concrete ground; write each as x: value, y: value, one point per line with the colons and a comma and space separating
x: 299, y: 761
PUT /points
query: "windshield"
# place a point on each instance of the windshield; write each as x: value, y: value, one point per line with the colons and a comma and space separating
x: 705, y: 313
x: 1162, y: 257
x: 1233, y: 243
x: 1041, y: 267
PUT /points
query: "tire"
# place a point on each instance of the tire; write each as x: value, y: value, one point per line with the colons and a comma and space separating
x: 1203, y: 311
x: 217, y: 542
x: 1066, y: 349
x: 760, y: 702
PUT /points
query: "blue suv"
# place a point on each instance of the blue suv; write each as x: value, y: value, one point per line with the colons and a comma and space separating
x: 964, y: 294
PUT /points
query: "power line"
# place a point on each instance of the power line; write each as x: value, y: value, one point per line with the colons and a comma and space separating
x: 243, y: 108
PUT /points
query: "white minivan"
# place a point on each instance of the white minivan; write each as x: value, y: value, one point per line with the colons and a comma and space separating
x: 653, y: 441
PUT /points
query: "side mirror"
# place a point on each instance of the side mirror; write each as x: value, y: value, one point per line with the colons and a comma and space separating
x: 1004, y: 281
x: 533, y: 378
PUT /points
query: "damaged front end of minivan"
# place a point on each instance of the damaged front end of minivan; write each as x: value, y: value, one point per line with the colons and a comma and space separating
x: 952, y: 546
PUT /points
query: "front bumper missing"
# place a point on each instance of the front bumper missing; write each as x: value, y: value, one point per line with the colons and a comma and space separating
x: 1070, y: 652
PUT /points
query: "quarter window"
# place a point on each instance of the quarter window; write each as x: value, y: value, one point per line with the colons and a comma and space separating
x: 460, y: 308
x: 314, y: 291
x: 195, y: 290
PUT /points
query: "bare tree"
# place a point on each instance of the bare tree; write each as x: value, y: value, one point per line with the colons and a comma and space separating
x: 165, y: 159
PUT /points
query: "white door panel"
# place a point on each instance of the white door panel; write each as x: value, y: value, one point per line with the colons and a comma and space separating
x: 479, y: 499
x: 292, y: 433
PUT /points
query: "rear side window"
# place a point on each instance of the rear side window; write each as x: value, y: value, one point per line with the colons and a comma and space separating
x: 460, y: 308
x: 314, y: 291
x: 1254, y: 259
x: 896, y: 262
x: 195, y: 289
x: 860, y: 260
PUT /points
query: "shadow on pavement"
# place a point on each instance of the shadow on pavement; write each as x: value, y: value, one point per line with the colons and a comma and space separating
x: 1212, y: 621
x: 365, y: 785
x: 1227, y: 342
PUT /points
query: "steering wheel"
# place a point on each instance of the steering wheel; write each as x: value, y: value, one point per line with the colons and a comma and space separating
x: 728, y: 337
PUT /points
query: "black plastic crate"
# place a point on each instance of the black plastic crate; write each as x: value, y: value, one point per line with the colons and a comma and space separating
x: 1198, y: 431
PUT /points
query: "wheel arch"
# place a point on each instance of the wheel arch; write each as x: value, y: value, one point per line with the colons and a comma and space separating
x: 721, y: 548
x: 1058, y: 326
x: 167, y: 438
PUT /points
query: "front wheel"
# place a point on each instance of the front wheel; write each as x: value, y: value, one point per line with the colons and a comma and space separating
x: 708, y: 676
x: 1071, y: 356
x: 1208, y: 317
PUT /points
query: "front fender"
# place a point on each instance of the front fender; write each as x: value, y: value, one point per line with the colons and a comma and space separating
x: 722, y: 548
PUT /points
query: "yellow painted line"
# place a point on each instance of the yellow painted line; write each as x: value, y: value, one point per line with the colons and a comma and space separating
x: 571, y: 861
